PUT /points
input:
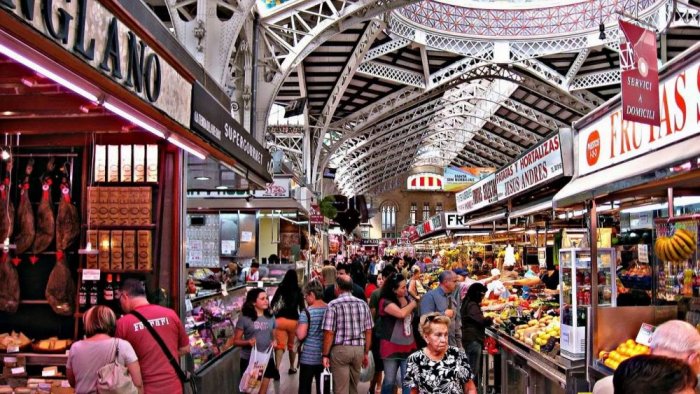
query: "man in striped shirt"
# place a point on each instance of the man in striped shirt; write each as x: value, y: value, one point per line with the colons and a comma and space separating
x: 347, y: 337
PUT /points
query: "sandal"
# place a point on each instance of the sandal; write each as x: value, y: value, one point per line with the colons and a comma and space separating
x: 292, y: 371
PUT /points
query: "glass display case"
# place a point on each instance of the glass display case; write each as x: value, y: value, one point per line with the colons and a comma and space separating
x: 575, y: 294
x: 210, y: 323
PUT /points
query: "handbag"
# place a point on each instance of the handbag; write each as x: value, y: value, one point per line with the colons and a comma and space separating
x: 255, y: 372
x: 181, y: 375
x: 114, y: 378
x: 326, y: 382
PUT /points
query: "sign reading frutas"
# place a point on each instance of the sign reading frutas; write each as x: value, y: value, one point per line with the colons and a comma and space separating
x: 478, y: 196
x: 91, y: 32
x: 540, y: 164
x: 639, y: 75
x: 611, y: 140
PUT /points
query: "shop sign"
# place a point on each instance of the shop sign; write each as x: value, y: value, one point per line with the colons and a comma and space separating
x: 369, y: 242
x: 478, y: 196
x: 436, y: 222
x: 315, y: 215
x: 279, y: 188
x: 535, y: 167
x: 95, y: 35
x: 639, y: 75
x: 460, y: 178
x: 411, y: 233
x: 215, y: 123
x: 454, y: 221
x: 611, y: 140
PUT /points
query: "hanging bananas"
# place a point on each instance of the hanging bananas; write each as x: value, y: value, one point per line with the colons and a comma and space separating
x: 678, y: 247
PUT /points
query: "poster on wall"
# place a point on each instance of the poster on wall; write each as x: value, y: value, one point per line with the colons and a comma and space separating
x: 228, y: 247
x: 639, y: 75
x: 460, y: 178
x: 279, y: 188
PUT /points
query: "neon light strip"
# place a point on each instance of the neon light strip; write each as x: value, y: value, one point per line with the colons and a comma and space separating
x: 47, y: 73
x: 187, y: 148
x: 133, y: 119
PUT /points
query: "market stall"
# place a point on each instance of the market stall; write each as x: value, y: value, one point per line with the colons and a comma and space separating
x: 648, y: 176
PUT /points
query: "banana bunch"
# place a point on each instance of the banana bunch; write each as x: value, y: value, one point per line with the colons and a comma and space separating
x: 678, y: 247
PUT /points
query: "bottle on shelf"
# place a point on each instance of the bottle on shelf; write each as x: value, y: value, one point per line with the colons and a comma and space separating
x: 117, y: 288
x: 108, y: 291
x: 82, y: 297
x: 92, y: 294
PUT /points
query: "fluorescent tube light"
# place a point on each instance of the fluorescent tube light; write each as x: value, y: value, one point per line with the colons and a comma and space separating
x: 47, y: 73
x: 133, y: 119
x: 186, y: 148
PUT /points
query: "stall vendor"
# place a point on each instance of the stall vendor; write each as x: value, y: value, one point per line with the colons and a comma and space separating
x: 533, y: 277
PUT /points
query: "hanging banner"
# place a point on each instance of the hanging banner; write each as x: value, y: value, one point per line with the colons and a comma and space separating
x: 315, y: 215
x: 460, y: 178
x: 477, y: 196
x: 537, y: 166
x: 639, y: 75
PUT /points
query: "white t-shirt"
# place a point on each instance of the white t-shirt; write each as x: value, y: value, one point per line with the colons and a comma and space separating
x: 87, y: 357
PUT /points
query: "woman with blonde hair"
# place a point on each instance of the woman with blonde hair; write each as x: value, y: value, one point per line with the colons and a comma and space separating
x: 98, y: 349
x: 438, y: 367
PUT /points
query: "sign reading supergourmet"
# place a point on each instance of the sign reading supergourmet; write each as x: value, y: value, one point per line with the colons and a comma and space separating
x: 478, y: 196
x: 611, y: 140
x: 214, y: 122
x: 539, y: 165
x: 93, y: 34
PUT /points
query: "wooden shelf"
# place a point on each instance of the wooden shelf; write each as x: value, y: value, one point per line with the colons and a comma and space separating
x: 123, y: 184
x: 120, y: 271
x: 57, y: 359
x: 33, y: 302
x: 121, y: 227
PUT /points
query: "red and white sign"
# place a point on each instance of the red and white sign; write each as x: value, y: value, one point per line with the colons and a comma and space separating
x: 477, y: 196
x: 537, y: 166
x: 315, y: 216
x: 639, y: 75
x: 279, y: 188
x: 611, y: 140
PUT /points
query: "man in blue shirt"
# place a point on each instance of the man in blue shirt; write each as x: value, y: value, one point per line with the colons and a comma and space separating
x: 444, y: 299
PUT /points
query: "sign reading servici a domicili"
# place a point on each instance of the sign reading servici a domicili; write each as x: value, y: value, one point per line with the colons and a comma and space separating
x: 90, y: 31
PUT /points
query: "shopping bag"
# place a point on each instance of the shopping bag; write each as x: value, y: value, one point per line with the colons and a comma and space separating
x: 326, y: 382
x: 253, y: 375
x: 366, y: 374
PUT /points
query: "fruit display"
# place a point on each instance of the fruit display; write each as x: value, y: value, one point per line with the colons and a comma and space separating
x: 625, y: 350
x: 537, y: 333
x: 678, y: 247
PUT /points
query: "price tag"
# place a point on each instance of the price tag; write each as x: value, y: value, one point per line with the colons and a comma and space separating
x: 260, y: 284
x: 188, y: 305
x: 13, y: 349
x: 50, y: 372
x: 9, y: 360
x: 644, y: 335
x: 17, y: 371
x: 65, y: 384
x: 224, y: 290
x: 643, y: 252
x: 91, y: 274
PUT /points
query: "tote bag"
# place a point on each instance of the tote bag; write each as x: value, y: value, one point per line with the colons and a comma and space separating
x: 253, y: 375
x: 114, y: 378
x: 326, y: 382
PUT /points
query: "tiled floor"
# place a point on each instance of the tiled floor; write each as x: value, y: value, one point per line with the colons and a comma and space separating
x: 289, y: 384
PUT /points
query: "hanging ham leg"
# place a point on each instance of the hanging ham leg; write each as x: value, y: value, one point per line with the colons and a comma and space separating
x: 25, y: 214
x: 7, y: 209
x: 60, y: 290
x: 67, y: 221
x: 9, y: 290
x: 45, y: 222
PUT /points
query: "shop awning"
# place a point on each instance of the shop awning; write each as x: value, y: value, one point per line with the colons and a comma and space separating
x: 488, y: 218
x: 652, y: 166
x: 526, y: 210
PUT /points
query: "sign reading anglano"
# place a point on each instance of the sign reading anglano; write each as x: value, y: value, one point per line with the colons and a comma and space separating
x: 478, y: 196
x: 91, y: 32
x: 611, y: 140
x: 539, y: 165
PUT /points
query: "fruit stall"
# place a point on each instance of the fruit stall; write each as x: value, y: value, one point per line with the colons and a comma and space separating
x: 647, y: 194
